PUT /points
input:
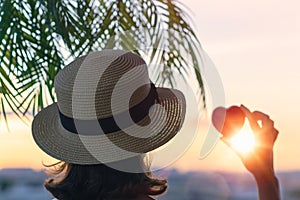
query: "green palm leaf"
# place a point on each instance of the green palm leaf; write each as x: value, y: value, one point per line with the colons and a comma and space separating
x: 37, y: 38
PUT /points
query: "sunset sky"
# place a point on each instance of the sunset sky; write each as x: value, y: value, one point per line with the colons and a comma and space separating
x: 255, y: 46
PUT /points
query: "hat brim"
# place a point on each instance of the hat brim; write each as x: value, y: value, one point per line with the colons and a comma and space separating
x: 63, y: 145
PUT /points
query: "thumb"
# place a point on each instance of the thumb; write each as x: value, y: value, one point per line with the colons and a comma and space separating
x: 251, y: 118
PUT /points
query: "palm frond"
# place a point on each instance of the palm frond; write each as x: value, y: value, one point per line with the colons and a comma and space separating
x: 37, y: 38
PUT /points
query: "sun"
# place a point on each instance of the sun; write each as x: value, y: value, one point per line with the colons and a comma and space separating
x: 243, y: 141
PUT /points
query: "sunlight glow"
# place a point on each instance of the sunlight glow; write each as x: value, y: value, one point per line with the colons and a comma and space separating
x: 243, y: 141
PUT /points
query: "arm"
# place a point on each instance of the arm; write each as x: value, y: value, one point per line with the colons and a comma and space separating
x: 268, y: 186
x: 259, y: 162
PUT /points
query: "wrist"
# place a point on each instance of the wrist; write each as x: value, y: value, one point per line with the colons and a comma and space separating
x: 265, y: 178
x: 264, y: 173
x: 268, y: 186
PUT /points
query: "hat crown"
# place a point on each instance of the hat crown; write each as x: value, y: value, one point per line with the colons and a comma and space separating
x: 89, y: 123
x: 101, y: 84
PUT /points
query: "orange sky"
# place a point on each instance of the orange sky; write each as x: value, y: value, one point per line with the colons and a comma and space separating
x: 255, y: 46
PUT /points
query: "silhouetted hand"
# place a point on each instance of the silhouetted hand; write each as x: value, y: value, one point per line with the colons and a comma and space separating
x: 259, y: 161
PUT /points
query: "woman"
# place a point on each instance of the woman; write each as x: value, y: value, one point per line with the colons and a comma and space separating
x: 107, y: 116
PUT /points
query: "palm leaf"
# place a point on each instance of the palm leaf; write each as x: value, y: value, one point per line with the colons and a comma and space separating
x: 37, y: 38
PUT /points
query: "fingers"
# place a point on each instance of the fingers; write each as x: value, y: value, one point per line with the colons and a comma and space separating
x: 255, y: 117
x: 275, y: 134
x: 266, y: 132
x: 264, y: 118
x: 252, y: 120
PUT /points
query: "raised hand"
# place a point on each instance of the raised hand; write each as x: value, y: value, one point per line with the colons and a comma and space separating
x: 259, y: 161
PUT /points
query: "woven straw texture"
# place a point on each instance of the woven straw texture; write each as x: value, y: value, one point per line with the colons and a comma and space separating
x: 87, y: 89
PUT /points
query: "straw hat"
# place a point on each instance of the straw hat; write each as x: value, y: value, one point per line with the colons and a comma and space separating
x: 107, y: 110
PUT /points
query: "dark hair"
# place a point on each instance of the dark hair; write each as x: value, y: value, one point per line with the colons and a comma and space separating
x: 100, y: 182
